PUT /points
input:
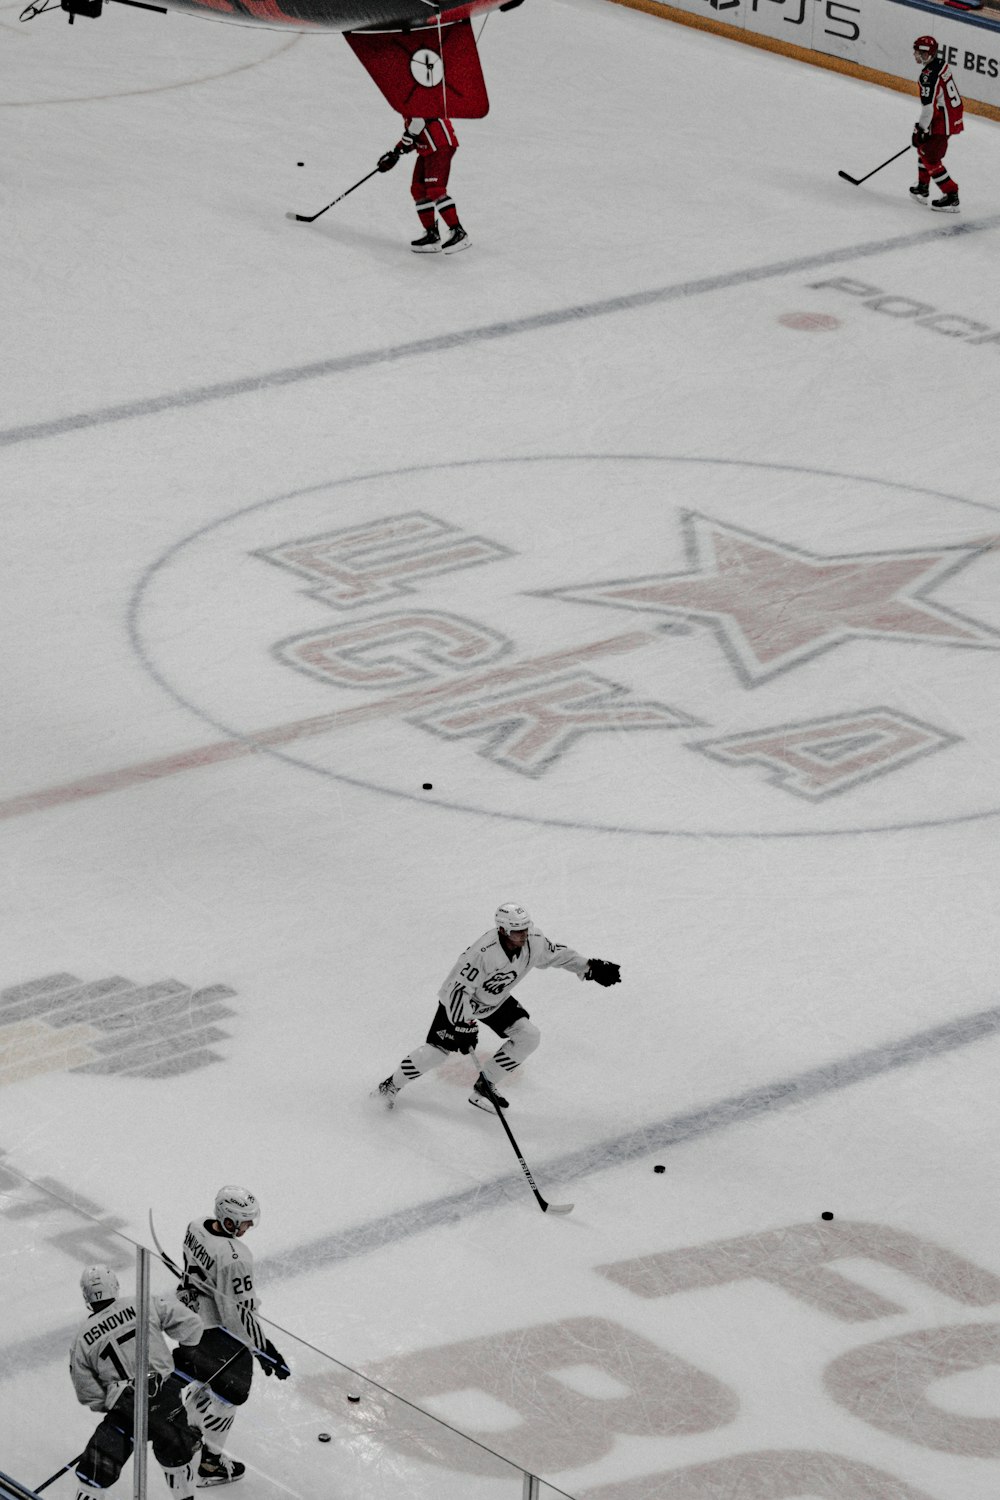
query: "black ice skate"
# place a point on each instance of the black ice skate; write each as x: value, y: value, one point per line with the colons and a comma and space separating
x: 484, y: 1095
x: 386, y: 1093
x: 920, y: 191
x: 216, y: 1468
x: 457, y: 240
x: 428, y: 242
x: 947, y: 204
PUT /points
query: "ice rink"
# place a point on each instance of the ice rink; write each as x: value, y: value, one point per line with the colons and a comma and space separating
x: 639, y: 565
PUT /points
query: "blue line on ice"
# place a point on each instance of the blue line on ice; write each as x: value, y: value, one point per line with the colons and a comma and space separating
x: 601, y: 1155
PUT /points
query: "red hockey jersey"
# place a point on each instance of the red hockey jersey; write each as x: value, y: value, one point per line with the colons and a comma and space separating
x: 942, y: 108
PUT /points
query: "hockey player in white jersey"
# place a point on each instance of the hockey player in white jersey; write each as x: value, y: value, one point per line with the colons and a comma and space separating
x: 218, y: 1284
x: 479, y: 988
x: 102, y: 1368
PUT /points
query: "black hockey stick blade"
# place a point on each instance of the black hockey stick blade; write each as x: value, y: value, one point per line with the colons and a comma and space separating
x: 857, y: 181
x: 311, y: 218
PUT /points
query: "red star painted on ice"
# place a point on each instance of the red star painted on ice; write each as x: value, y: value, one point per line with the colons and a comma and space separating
x: 773, y: 606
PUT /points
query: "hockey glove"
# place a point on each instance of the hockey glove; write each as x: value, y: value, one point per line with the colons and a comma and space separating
x: 389, y: 160
x: 461, y: 1037
x: 603, y: 972
x: 918, y: 137
x: 271, y: 1362
x: 407, y: 142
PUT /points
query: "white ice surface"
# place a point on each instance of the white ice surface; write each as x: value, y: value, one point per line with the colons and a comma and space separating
x: 147, y: 166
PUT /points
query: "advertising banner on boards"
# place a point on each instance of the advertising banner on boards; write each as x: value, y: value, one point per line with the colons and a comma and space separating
x: 873, y: 34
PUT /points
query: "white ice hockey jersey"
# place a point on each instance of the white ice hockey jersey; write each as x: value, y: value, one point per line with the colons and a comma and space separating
x: 102, y: 1355
x: 218, y: 1282
x: 484, y: 976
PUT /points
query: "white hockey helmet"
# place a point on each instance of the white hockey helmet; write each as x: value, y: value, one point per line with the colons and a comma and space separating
x: 511, y: 917
x: 237, y: 1204
x: 98, y: 1284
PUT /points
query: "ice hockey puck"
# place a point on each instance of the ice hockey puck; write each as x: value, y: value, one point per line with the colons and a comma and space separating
x: 659, y: 1169
x: 826, y: 1214
x: 300, y: 163
x: 428, y: 786
x: 351, y: 1396
x: 324, y: 1437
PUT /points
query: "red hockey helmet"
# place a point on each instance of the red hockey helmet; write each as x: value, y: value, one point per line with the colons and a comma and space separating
x: 924, y: 48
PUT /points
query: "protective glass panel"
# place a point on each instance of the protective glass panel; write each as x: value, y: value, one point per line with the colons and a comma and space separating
x: 328, y: 1430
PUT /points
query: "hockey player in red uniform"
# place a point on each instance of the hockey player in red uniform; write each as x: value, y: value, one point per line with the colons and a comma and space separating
x: 435, y: 143
x: 940, y: 119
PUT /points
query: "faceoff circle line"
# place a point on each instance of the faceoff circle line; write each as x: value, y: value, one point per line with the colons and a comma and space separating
x: 168, y: 557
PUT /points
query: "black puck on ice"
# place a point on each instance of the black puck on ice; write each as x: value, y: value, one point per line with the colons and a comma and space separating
x: 659, y: 1169
x: 352, y: 1397
x: 300, y: 163
x: 324, y: 1437
x: 826, y: 1214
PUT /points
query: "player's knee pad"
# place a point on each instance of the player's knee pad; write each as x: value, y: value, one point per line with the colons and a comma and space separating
x: 427, y: 1056
x: 213, y: 1415
x: 522, y: 1038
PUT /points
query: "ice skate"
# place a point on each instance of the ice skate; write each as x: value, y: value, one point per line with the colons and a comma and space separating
x: 946, y: 204
x: 217, y: 1468
x: 484, y: 1095
x: 457, y: 240
x: 428, y: 242
x: 386, y: 1093
x: 920, y: 191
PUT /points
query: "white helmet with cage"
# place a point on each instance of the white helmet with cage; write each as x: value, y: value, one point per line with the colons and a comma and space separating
x: 237, y: 1205
x: 511, y: 917
x: 98, y: 1284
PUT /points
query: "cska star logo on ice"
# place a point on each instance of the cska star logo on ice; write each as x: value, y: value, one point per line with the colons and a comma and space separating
x: 652, y: 645
x: 774, y: 607
x: 61, y: 1024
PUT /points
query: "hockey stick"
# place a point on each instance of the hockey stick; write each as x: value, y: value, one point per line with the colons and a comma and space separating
x: 547, y: 1208
x: 311, y: 218
x: 857, y: 181
x: 37, y: 1489
x: 161, y: 1252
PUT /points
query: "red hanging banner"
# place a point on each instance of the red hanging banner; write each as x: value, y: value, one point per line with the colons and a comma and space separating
x: 429, y: 73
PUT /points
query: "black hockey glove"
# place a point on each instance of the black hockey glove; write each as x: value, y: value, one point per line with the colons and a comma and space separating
x: 603, y: 972
x: 460, y: 1037
x: 918, y: 137
x: 407, y: 142
x: 389, y: 160
x: 271, y: 1361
